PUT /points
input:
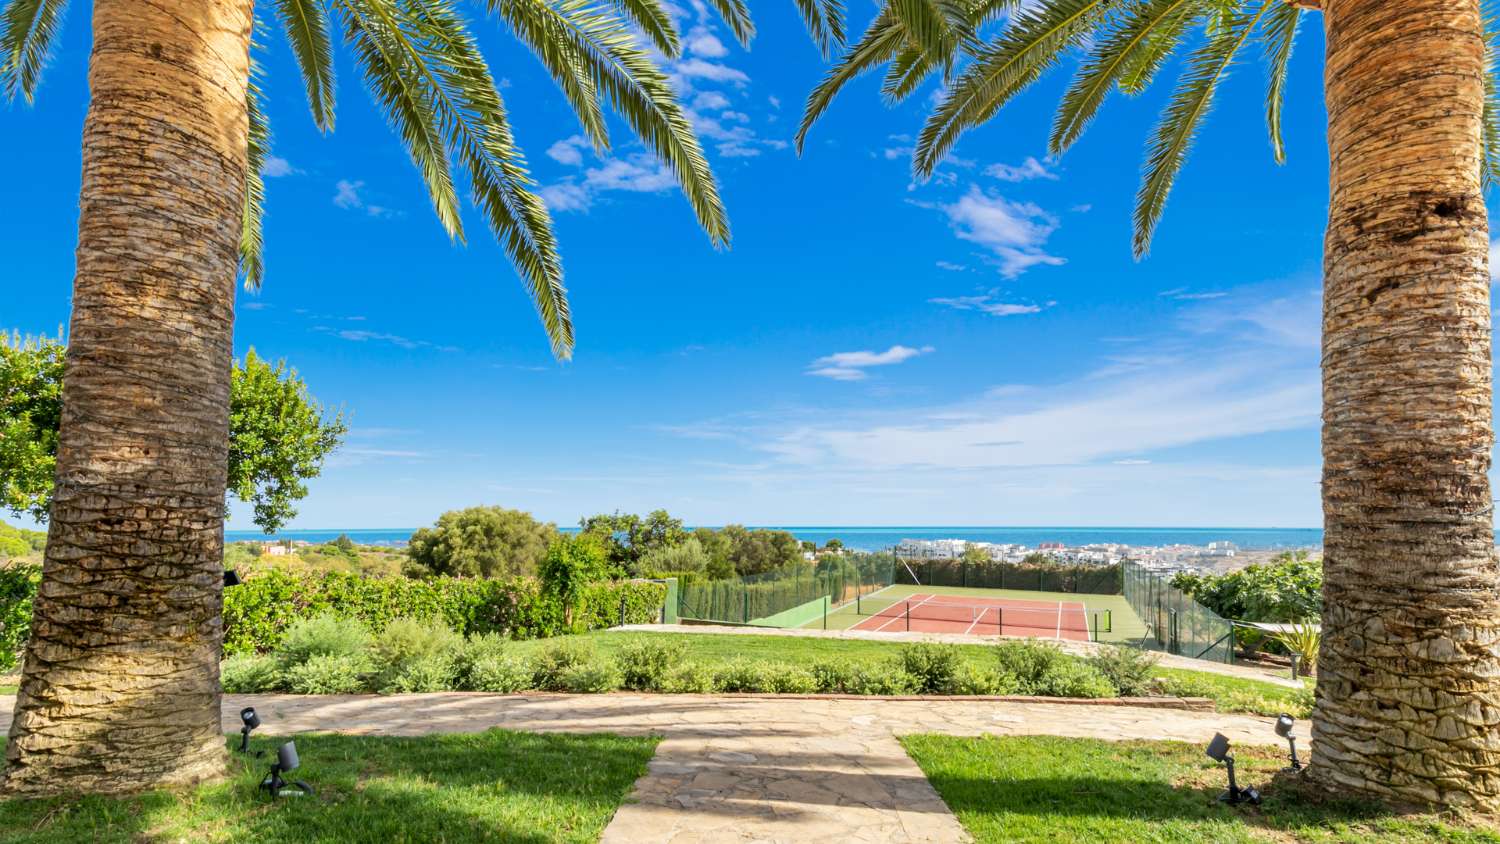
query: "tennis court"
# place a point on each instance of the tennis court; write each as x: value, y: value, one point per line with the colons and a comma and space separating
x: 987, y: 612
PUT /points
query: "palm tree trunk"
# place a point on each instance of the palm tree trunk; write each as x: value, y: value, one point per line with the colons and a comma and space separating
x: 120, y: 689
x: 1408, y: 698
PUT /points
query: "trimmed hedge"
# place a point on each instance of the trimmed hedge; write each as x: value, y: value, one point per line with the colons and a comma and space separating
x: 256, y: 611
x: 1059, y: 577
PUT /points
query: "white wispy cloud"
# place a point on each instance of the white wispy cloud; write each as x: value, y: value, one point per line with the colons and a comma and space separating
x: 1014, y: 232
x: 1025, y: 171
x: 851, y: 366
x: 1183, y: 294
x: 348, y: 194
x: 987, y: 304
x: 277, y: 167
x: 700, y: 41
x: 365, y: 336
x: 951, y: 267
x: 569, y: 150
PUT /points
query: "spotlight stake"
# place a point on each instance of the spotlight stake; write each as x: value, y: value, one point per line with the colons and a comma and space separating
x: 1284, y: 725
x: 251, y: 721
x: 1218, y: 750
x: 286, y: 762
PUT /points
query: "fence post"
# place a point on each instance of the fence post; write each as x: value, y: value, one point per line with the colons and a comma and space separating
x: 908, y: 616
x: 622, y: 610
x: 745, y: 591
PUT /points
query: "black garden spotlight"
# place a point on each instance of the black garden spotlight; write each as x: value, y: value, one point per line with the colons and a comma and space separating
x: 1284, y: 725
x: 1218, y: 750
x: 251, y: 721
x: 286, y: 762
x: 231, y: 578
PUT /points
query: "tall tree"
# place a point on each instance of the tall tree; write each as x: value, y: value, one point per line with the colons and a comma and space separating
x: 1408, y: 696
x: 278, y: 433
x: 120, y: 686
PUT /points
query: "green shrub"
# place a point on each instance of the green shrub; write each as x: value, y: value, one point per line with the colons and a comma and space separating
x: 593, y: 677
x: 327, y: 674
x: 1028, y: 660
x: 1074, y: 678
x: 249, y: 674
x: 323, y: 635
x: 792, y: 679
x: 883, y: 678
x: 741, y: 676
x: 499, y: 673
x: 972, y: 679
x: 1129, y: 670
x: 645, y: 662
x: 689, y: 678
x: 479, y: 648
x: 416, y: 656
x: 833, y: 677
x: 18, y: 583
x: 558, y: 658
x: 932, y: 666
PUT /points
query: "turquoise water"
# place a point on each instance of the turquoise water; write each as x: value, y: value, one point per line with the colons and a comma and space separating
x: 874, y: 538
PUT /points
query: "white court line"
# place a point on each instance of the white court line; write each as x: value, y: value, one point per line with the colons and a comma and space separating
x: 908, y: 612
x: 1059, y: 620
x: 975, y: 622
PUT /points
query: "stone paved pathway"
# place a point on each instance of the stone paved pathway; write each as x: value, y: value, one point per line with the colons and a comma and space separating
x: 751, y: 768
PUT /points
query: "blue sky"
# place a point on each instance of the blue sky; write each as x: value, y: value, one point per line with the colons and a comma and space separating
x: 980, y: 349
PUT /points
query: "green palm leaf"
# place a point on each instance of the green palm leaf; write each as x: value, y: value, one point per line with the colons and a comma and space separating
x: 553, y: 38
x: 252, y: 268
x: 653, y: 20
x: 1111, y: 58
x: 926, y: 26
x: 825, y: 22
x: 882, y: 41
x: 1280, y: 32
x: 737, y: 15
x: 1179, y: 123
x: 635, y: 86
x: 1030, y: 45
x: 306, y: 25
x: 27, y: 28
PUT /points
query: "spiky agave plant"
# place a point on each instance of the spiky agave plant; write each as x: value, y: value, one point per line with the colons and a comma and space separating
x: 424, y: 69
x: 1119, y: 45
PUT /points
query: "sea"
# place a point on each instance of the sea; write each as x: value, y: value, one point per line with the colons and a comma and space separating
x: 866, y: 538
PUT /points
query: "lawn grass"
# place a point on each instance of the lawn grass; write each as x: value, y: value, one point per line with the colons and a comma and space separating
x: 1042, y: 789
x: 1230, y: 694
x: 492, y: 786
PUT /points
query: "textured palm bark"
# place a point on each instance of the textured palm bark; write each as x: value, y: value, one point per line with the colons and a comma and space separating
x: 1408, y: 699
x: 120, y: 687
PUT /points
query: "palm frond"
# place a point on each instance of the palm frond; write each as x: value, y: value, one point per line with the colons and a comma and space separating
x: 907, y: 72
x: 1031, y: 44
x: 882, y: 41
x: 1111, y: 57
x: 1142, y: 65
x: 1280, y: 32
x: 825, y: 23
x: 306, y: 25
x: 252, y: 268
x: 926, y: 26
x: 427, y: 39
x: 651, y: 16
x: 736, y: 15
x: 555, y: 45
x: 27, y: 28
x: 636, y: 87
x: 409, y: 99
x: 1179, y: 122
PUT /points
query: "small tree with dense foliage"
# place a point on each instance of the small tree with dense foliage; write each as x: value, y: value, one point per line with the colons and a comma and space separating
x: 480, y: 542
x: 628, y: 538
x: 571, y: 565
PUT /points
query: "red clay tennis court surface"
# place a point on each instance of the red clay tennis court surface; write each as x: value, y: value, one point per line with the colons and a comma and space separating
x: 976, y: 616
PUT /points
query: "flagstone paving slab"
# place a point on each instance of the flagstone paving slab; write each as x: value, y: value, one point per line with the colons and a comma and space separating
x: 744, y: 768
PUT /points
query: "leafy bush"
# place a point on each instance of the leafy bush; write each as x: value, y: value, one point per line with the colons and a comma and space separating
x: 481, y: 647
x: 1041, y: 668
x: 1129, y: 670
x: 323, y: 635
x: 594, y: 677
x: 645, y: 663
x: 972, y: 679
x: 792, y: 679
x: 327, y: 674
x: 833, y: 677
x: 689, y: 678
x: 560, y: 657
x: 885, y: 678
x: 687, y: 556
x: 505, y: 674
x: 932, y: 666
x: 249, y: 674
x: 1288, y: 588
x: 18, y: 583
x: 744, y: 676
x: 416, y: 656
x: 480, y: 542
x: 255, y: 612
